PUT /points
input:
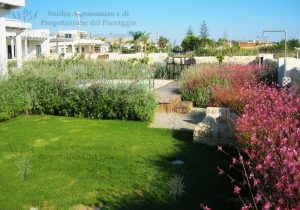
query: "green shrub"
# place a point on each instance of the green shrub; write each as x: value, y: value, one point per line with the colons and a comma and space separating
x: 78, y: 88
x: 14, y: 99
x: 161, y: 72
x: 201, y: 96
x: 37, y: 95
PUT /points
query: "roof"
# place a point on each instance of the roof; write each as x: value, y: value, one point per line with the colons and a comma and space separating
x: 13, y: 23
x: 254, y: 44
x: 72, y: 32
x: 12, y: 4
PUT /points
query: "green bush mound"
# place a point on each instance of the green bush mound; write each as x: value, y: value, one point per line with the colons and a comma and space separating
x: 37, y: 95
x: 14, y: 99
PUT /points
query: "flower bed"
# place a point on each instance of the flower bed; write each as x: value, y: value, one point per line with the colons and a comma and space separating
x: 205, y: 86
x: 267, y: 130
x: 269, y: 133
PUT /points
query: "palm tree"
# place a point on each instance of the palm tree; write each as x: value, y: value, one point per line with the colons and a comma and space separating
x: 163, y: 42
x: 138, y: 37
x: 145, y: 39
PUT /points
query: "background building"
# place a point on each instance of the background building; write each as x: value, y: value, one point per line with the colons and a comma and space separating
x: 11, y: 27
x: 67, y: 43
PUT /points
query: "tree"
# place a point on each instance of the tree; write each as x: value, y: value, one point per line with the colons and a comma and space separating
x: 136, y: 35
x: 190, y: 43
x: 177, y: 49
x: 223, y: 43
x: 145, y: 39
x: 163, y: 42
x: 138, y: 38
x: 292, y: 43
x: 204, y: 33
x: 190, y: 31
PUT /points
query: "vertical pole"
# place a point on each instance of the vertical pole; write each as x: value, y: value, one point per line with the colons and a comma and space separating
x: 19, y: 50
x: 285, y: 44
x: 285, y: 50
x: 65, y: 49
x: 73, y: 51
x: 26, y: 48
x: 78, y: 24
x: 3, y: 48
x: 12, y: 44
x: 57, y: 48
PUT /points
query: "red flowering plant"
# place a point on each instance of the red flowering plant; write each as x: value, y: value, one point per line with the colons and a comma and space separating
x: 215, y: 85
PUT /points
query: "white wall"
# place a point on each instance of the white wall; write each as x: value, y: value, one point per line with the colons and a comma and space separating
x: 228, y: 59
x: 3, y: 48
x: 154, y: 57
x: 292, y: 70
x: 31, y: 48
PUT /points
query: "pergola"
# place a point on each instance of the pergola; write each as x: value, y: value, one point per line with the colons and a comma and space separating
x: 10, y: 27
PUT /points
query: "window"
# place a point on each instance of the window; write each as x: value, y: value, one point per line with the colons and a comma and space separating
x: 38, y: 50
x: 68, y: 36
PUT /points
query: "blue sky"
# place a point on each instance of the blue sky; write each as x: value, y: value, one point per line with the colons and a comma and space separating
x: 241, y: 19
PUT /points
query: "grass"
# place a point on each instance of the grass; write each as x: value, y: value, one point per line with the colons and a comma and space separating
x: 117, y: 164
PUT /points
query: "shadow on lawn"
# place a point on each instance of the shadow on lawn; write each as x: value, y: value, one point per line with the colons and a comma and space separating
x: 203, y: 184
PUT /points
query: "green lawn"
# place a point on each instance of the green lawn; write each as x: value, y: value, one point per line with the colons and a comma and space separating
x: 118, y: 164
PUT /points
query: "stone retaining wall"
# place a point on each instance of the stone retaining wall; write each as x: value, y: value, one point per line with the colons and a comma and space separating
x: 215, y: 128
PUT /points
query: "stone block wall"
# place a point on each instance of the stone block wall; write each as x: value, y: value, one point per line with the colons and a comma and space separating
x: 215, y: 128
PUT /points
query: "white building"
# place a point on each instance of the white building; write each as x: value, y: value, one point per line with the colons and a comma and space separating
x: 17, y: 40
x: 35, y: 43
x: 69, y: 42
x: 11, y: 26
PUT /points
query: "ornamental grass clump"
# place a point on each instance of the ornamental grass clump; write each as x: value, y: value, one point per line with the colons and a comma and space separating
x: 213, y: 85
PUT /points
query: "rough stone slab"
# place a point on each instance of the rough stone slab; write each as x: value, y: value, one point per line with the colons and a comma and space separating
x: 178, y: 121
x: 215, y: 128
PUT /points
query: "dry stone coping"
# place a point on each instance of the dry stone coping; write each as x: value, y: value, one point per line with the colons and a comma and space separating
x: 215, y: 128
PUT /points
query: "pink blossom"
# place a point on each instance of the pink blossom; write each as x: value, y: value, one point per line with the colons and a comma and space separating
x: 267, y: 206
x: 258, y: 197
x: 220, y: 148
x: 234, y: 161
x: 204, y: 207
x: 237, y: 190
x: 246, y: 207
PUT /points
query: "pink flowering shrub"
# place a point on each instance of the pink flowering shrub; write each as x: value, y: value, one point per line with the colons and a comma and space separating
x: 269, y: 134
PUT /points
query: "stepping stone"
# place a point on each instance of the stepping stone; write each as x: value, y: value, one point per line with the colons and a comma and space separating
x: 177, y: 162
